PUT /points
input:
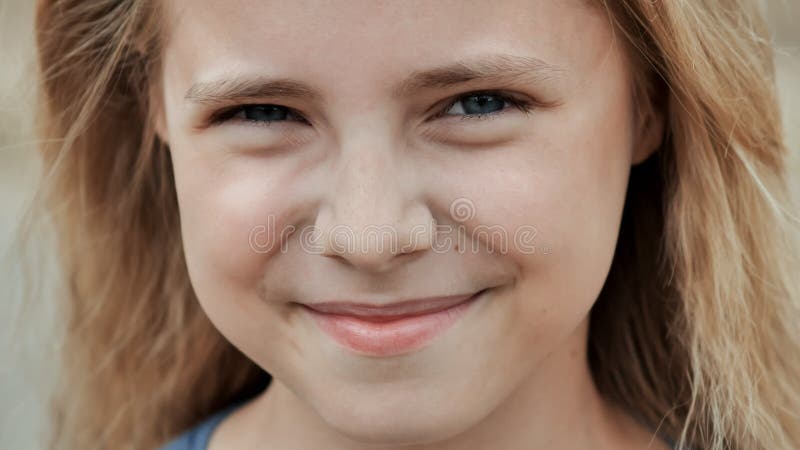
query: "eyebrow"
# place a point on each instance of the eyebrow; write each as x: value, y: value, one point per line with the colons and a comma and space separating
x: 229, y: 90
x: 494, y: 67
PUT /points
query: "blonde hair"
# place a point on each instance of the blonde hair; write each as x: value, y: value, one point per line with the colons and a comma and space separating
x: 697, y: 330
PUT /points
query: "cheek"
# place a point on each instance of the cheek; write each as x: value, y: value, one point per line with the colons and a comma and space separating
x: 567, y: 185
x: 232, y: 215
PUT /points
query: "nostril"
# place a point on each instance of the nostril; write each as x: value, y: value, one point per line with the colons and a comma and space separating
x: 365, y: 262
x: 375, y: 261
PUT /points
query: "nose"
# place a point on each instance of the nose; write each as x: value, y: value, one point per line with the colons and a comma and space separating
x: 374, y: 218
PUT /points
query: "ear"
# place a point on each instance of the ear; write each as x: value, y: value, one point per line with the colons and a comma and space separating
x: 160, y: 123
x: 650, y: 124
x: 157, y: 114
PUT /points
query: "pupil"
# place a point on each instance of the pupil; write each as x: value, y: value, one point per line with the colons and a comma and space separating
x: 265, y: 113
x: 482, y: 104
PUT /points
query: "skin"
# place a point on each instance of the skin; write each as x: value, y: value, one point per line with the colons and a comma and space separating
x: 512, y: 373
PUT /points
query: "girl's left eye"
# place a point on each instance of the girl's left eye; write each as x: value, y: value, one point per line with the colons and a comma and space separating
x: 482, y: 104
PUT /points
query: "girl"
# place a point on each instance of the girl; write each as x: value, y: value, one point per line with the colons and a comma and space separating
x: 424, y: 225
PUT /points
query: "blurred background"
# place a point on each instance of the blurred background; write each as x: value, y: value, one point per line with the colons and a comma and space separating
x: 26, y: 355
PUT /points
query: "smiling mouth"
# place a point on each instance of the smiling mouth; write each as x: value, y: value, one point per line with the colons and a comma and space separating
x: 390, y: 329
x: 392, y: 311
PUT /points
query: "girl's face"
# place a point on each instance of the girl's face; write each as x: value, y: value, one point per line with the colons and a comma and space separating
x: 394, y: 151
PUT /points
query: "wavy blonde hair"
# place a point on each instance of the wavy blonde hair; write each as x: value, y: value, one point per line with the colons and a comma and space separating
x: 697, y: 330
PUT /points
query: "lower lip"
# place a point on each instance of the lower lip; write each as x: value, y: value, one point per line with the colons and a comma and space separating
x: 393, y: 337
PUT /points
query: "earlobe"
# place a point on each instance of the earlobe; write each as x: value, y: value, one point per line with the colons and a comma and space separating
x: 160, y: 127
x: 650, y: 133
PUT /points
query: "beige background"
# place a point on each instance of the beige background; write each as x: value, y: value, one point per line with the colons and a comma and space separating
x: 25, y: 350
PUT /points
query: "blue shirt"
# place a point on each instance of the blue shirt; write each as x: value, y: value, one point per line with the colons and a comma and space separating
x: 197, y: 438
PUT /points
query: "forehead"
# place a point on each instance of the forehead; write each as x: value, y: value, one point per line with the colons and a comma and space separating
x: 352, y: 42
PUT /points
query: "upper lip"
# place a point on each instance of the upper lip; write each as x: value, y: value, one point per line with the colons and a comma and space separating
x: 418, y: 306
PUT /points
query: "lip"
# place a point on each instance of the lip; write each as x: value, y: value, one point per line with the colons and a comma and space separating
x: 389, y: 330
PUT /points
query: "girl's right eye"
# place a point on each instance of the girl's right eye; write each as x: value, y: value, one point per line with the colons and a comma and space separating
x: 259, y: 114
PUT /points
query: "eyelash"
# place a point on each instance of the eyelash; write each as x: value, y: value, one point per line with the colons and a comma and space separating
x: 525, y: 106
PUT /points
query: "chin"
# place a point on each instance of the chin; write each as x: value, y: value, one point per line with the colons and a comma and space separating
x: 405, y: 419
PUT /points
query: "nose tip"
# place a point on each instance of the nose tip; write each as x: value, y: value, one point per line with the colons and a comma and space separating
x: 373, y: 247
